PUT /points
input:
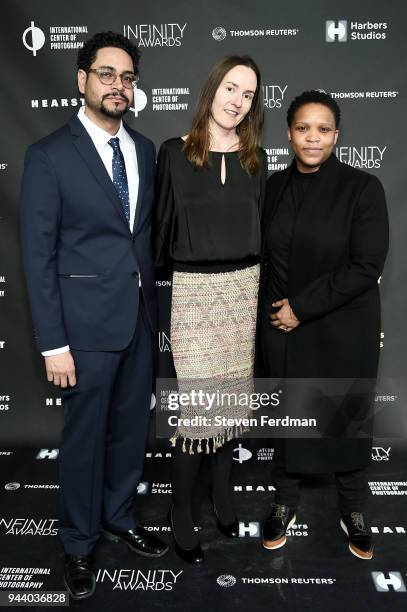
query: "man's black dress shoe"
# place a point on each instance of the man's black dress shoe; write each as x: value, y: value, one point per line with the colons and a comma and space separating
x: 78, y: 576
x: 139, y: 540
x: 360, y: 538
x: 274, y: 529
x: 190, y: 555
x: 231, y: 530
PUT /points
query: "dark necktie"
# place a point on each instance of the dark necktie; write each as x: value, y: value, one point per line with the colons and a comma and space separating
x: 120, y: 176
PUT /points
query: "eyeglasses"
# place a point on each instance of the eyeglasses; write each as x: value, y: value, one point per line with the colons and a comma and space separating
x: 108, y: 76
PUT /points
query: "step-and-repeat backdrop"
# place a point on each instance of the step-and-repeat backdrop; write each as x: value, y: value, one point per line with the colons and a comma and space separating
x: 354, y: 51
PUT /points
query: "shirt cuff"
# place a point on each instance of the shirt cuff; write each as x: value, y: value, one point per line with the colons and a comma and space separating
x: 57, y: 351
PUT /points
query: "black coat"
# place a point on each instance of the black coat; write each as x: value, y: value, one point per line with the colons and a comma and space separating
x: 338, y: 250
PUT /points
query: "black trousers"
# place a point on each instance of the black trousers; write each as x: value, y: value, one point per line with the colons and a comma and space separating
x: 351, y: 486
x: 103, y: 441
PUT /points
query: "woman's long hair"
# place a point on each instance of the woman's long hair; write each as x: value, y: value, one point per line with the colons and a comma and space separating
x: 196, y: 146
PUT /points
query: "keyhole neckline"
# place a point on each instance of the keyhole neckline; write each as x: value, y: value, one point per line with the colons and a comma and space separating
x: 218, y: 152
x: 224, y: 152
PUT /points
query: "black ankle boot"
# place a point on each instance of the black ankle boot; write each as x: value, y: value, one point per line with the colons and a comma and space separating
x: 359, y: 535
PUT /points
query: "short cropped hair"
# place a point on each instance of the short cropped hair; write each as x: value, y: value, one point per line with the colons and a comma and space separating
x: 314, y: 96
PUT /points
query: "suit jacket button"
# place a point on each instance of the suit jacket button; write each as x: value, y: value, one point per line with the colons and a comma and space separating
x: 135, y: 274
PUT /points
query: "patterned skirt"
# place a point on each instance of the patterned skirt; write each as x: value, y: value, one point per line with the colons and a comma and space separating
x: 213, y: 321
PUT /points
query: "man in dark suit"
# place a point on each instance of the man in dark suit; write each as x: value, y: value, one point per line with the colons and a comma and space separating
x: 86, y: 203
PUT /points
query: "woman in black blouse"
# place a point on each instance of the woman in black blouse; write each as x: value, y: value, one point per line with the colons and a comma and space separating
x: 210, y: 192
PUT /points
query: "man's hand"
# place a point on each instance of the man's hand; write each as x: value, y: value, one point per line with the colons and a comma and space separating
x: 61, y: 369
x: 285, y: 318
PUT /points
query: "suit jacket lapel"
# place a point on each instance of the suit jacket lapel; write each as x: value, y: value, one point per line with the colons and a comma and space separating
x: 141, y: 174
x: 91, y: 157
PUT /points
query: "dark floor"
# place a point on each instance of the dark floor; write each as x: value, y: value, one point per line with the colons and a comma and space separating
x: 315, y: 570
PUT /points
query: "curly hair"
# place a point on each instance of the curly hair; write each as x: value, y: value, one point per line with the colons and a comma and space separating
x: 87, y: 55
x: 314, y: 96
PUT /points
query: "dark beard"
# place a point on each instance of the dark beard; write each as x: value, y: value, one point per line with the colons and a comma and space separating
x: 115, y: 113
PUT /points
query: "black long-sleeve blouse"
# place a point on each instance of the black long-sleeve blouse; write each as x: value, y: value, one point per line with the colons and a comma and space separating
x: 199, y: 220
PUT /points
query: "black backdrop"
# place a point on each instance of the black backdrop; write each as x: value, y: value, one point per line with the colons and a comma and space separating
x: 356, y: 51
x: 364, y: 66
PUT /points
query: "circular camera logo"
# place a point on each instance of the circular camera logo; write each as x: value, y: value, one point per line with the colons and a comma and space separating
x: 226, y: 580
x: 219, y: 33
x: 140, y: 101
x: 12, y: 486
x: 243, y: 454
x: 33, y: 39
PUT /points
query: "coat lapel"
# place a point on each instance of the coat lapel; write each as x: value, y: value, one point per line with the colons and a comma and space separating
x: 282, y: 187
x: 273, y: 200
x: 91, y: 157
x: 141, y: 174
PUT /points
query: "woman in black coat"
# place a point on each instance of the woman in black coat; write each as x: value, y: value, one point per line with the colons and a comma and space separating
x: 325, y: 240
